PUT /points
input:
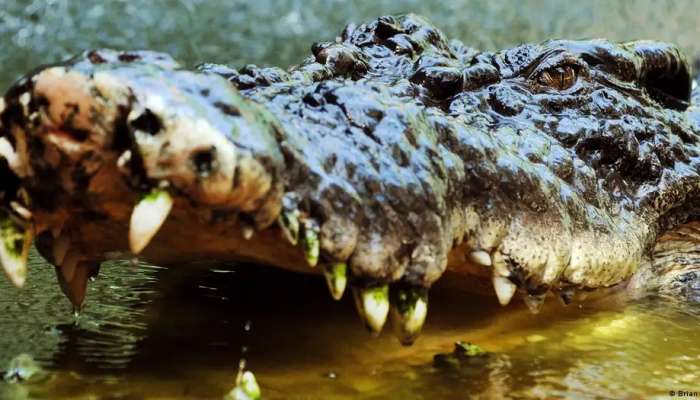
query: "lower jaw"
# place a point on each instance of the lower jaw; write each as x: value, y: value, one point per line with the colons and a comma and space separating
x: 187, y: 239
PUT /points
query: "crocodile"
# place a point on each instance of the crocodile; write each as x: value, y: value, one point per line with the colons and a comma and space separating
x: 386, y: 159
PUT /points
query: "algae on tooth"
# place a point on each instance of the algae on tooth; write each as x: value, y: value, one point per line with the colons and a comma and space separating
x: 373, y: 306
x: 409, y: 308
x: 337, y: 279
x: 312, y: 245
x: 289, y: 223
x: 14, y: 249
x: 247, y: 387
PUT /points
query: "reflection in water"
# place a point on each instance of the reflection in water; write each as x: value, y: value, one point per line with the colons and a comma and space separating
x: 181, y: 332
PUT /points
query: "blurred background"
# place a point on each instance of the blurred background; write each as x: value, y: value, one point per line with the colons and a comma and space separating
x: 280, y: 32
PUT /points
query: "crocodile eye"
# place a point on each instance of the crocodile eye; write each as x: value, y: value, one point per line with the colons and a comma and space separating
x: 560, y: 78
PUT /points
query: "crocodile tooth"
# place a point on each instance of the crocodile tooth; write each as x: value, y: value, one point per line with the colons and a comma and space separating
x: 246, y: 387
x: 566, y: 295
x: 75, y: 287
x: 534, y: 302
x: 372, y: 305
x: 409, y: 307
x: 24, y: 100
x: 60, y: 248
x: 337, y: 279
x: 480, y: 257
x: 247, y: 231
x: 289, y: 223
x: 21, y: 210
x: 8, y: 153
x: 124, y: 159
x: 504, y: 289
x: 148, y: 216
x: 14, y: 249
x: 312, y: 245
x: 500, y: 267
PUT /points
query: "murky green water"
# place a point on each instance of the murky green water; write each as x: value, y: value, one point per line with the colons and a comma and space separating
x: 155, y: 333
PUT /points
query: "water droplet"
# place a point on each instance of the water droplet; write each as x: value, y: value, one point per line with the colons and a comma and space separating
x: 248, y: 325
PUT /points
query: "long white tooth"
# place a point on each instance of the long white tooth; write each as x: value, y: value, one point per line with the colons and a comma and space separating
x: 148, y: 216
x: 25, y: 98
x: 480, y: 257
x: 409, y: 307
x: 8, y: 153
x: 123, y: 159
x: 373, y: 306
x: 504, y: 289
x: 60, y: 248
x: 21, y: 210
x: 337, y: 279
x: 15, y: 241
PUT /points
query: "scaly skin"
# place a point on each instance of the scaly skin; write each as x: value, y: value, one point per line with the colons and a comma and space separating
x: 388, y: 157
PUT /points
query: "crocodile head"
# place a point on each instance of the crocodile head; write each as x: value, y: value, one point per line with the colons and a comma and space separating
x: 387, y: 158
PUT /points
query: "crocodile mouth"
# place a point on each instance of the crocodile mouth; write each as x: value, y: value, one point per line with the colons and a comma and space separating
x: 126, y: 154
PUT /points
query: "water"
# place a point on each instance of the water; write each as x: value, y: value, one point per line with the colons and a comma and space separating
x: 150, y: 332
x: 280, y: 32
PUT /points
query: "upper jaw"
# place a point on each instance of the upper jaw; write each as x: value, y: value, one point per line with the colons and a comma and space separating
x: 94, y: 138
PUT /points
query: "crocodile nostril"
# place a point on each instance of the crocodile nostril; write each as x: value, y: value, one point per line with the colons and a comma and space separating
x: 128, y: 57
x: 203, y: 161
x: 95, y: 57
x: 147, y: 122
x: 79, y: 135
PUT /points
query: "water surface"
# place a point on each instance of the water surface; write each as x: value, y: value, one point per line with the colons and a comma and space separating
x: 150, y: 332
